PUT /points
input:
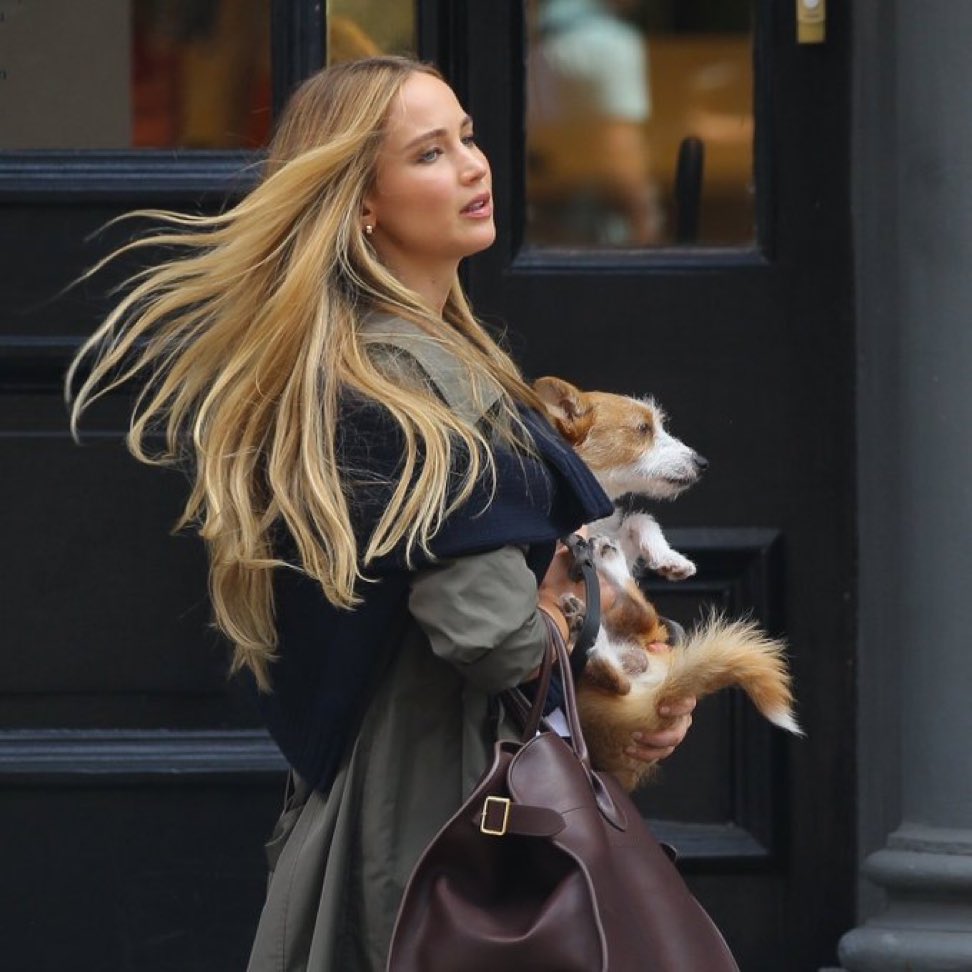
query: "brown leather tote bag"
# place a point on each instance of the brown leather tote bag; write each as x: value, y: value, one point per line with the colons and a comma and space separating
x: 549, y: 867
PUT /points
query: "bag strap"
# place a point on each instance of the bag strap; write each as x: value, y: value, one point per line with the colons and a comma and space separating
x: 583, y: 569
x: 557, y: 652
x: 529, y: 715
x: 570, y: 664
x: 562, y: 657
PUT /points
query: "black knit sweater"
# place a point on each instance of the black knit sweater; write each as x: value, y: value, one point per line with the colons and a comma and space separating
x: 329, y: 658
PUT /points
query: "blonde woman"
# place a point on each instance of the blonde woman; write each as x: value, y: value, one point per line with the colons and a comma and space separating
x: 379, y: 500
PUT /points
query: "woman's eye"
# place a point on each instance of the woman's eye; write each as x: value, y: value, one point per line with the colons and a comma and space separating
x: 468, y: 139
x: 430, y: 156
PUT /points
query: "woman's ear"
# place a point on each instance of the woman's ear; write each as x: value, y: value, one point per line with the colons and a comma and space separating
x: 368, y: 218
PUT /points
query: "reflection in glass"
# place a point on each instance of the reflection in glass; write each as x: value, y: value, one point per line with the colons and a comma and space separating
x: 201, y: 73
x: 364, y: 28
x: 111, y: 74
x: 615, y: 88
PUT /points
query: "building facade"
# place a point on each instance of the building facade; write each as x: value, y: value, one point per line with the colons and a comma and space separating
x: 756, y: 212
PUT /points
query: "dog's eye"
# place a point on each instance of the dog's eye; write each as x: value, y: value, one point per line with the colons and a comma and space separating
x: 645, y: 428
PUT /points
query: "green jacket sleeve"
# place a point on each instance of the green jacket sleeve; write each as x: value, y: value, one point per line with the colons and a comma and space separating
x: 480, y: 614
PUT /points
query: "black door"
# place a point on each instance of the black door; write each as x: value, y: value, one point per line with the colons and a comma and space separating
x: 732, y: 305
x: 137, y: 786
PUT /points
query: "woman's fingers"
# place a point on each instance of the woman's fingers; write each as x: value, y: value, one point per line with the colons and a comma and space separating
x: 666, y: 738
x: 674, y: 708
x: 658, y: 745
x: 650, y: 747
x: 557, y: 580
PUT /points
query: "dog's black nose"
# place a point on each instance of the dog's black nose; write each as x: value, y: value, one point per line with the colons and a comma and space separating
x: 701, y: 463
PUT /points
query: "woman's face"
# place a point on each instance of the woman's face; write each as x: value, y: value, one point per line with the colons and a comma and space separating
x: 431, y: 202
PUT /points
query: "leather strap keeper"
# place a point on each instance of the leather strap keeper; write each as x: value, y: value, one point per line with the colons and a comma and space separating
x: 499, y: 817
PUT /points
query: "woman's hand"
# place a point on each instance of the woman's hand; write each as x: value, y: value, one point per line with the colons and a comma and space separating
x: 677, y: 717
x: 557, y: 582
x: 661, y: 744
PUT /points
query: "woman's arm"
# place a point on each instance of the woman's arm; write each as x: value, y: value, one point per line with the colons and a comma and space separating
x: 480, y: 613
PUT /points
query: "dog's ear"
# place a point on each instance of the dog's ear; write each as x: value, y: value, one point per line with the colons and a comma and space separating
x: 567, y: 407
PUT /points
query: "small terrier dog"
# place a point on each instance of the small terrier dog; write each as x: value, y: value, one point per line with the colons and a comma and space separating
x: 624, y: 443
x: 624, y: 682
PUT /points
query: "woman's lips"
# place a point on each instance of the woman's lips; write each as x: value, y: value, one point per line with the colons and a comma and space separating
x: 480, y: 208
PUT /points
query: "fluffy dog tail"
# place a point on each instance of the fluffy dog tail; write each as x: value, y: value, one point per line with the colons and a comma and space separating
x: 721, y: 653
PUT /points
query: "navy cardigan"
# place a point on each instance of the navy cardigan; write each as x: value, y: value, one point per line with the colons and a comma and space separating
x: 330, y: 658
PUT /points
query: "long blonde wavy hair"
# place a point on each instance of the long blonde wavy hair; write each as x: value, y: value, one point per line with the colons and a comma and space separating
x: 245, y: 341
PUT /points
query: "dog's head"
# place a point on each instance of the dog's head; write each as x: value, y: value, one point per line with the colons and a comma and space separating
x: 623, y: 440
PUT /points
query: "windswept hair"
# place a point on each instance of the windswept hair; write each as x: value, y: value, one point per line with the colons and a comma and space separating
x: 244, y: 343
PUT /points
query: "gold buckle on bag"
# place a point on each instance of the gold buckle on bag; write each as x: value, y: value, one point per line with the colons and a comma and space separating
x: 492, y: 831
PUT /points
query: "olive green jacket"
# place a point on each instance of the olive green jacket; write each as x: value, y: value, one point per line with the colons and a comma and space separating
x: 344, y: 857
x: 340, y: 860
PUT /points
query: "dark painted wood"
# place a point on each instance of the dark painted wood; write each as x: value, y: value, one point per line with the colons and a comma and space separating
x: 125, y: 178
x: 60, y: 756
x: 119, y: 877
x: 137, y: 787
x: 299, y: 39
x: 720, y: 798
x: 137, y: 783
x: 751, y: 351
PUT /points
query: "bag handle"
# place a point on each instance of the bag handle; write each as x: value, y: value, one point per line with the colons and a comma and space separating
x: 557, y: 651
x: 612, y: 812
x: 562, y: 657
x: 529, y: 715
x: 570, y: 665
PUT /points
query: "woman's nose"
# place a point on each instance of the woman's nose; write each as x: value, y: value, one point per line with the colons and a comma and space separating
x: 475, y: 166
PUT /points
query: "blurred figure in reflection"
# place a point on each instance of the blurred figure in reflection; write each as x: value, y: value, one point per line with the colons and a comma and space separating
x: 588, y: 100
x: 347, y: 40
x: 226, y: 74
x: 200, y: 73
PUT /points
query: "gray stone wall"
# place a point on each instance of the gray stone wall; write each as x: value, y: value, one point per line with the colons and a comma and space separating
x: 913, y: 227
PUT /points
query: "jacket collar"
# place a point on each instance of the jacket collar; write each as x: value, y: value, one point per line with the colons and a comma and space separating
x: 444, y: 369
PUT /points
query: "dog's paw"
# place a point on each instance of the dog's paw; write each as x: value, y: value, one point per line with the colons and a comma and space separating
x: 574, y: 611
x: 610, y: 561
x: 672, y: 566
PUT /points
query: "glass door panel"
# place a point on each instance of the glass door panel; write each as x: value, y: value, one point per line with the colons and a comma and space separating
x: 117, y: 74
x: 639, y: 123
x: 364, y: 28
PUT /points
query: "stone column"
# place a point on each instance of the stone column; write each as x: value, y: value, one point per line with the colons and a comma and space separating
x: 915, y: 459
